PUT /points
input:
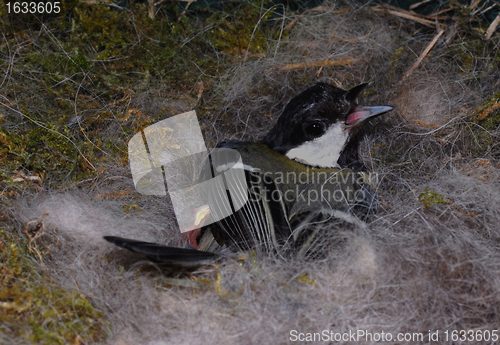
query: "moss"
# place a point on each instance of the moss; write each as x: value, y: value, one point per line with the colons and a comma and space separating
x: 429, y: 198
x: 488, y: 115
x: 90, y: 55
x: 304, y: 278
x: 242, y: 34
x: 34, y: 308
x: 396, y: 61
x: 41, y: 151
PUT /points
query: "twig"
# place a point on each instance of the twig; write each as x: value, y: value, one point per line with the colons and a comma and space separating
x: 484, y: 114
x: 321, y: 68
x: 492, y: 27
x: 21, y: 177
x: 423, y: 55
x: 35, y: 230
x: 418, y: 4
x: 487, y: 9
x: 473, y: 13
x: 404, y: 14
x: 321, y: 63
x: 474, y: 4
x: 151, y: 9
x: 189, y: 2
x: 436, y: 15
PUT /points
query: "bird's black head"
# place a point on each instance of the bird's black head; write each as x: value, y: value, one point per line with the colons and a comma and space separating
x: 319, y: 123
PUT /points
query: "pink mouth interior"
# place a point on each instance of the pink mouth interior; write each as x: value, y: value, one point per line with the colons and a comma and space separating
x: 356, y: 116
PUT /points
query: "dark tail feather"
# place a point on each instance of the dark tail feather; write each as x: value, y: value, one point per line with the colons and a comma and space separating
x: 160, y: 253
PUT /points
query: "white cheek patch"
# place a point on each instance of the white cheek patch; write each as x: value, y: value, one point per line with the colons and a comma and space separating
x: 323, y: 151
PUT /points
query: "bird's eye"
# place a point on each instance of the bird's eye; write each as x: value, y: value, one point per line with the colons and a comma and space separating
x: 314, y: 129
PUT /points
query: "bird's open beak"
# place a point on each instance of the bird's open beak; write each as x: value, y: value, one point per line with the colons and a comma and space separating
x: 201, y: 214
x: 360, y: 114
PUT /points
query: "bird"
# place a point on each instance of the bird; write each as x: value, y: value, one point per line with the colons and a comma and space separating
x: 305, y: 170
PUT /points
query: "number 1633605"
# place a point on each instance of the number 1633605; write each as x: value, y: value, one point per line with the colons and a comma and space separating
x: 33, y: 7
x: 463, y: 335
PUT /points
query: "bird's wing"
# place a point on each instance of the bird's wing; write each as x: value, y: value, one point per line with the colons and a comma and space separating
x: 161, y: 253
x: 260, y: 223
